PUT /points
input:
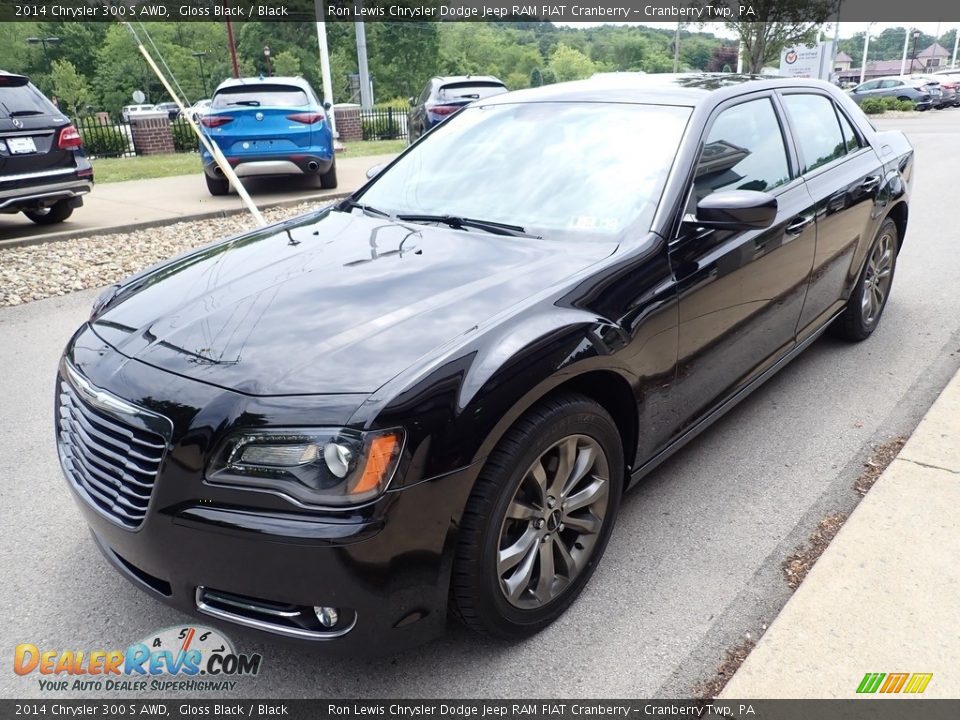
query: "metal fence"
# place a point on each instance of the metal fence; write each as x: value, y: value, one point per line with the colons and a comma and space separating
x: 102, y: 137
x: 105, y: 138
x: 383, y: 124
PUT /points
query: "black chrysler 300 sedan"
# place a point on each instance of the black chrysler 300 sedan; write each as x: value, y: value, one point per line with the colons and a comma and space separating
x: 429, y: 399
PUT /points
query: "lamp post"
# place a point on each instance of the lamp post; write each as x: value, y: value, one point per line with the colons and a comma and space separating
x: 203, y: 76
x: 913, y: 58
x: 44, y: 41
x: 266, y: 55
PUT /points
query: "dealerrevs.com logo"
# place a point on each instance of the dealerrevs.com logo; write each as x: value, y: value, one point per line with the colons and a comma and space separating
x: 188, y: 659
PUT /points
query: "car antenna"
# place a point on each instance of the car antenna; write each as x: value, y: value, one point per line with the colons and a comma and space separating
x: 211, y: 147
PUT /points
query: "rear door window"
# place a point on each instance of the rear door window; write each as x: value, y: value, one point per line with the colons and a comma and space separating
x: 816, y: 129
x: 261, y: 96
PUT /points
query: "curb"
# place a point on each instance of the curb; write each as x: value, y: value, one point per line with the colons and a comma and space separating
x: 884, y: 595
x: 118, y: 229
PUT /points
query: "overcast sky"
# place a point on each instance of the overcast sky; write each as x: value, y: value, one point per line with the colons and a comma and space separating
x: 847, y: 29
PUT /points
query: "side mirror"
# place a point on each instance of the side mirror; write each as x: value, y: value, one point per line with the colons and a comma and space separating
x: 375, y: 170
x: 412, y: 101
x: 326, y: 105
x: 737, y: 210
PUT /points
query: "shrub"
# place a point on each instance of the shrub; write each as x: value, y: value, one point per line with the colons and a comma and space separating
x: 104, y: 141
x: 184, y: 139
x: 906, y: 105
x: 872, y: 106
x: 889, y: 103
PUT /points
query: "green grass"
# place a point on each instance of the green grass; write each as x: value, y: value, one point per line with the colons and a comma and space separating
x: 108, y: 170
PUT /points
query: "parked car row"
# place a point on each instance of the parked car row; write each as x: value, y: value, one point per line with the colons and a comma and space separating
x: 925, y: 91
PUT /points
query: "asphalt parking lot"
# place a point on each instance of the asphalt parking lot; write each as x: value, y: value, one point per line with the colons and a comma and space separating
x: 693, y: 564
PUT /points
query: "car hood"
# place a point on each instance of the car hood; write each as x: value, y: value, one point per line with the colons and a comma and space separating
x: 329, y: 303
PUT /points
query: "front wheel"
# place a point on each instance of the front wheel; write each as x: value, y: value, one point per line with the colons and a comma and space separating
x: 869, y: 297
x: 539, y: 518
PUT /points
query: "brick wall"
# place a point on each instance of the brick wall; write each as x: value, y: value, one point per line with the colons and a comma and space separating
x: 349, y: 126
x: 151, y: 135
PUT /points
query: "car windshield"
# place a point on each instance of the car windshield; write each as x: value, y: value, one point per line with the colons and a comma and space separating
x: 260, y: 96
x: 548, y: 167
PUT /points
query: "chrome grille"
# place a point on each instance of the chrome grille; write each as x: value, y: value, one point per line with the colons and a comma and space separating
x: 110, y: 460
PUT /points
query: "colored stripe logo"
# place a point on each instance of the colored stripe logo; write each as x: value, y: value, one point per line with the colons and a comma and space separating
x: 887, y: 683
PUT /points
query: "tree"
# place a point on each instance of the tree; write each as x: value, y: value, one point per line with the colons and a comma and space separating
x: 569, y: 63
x: 776, y: 24
x: 71, y: 88
x: 536, y: 77
x: 286, y: 64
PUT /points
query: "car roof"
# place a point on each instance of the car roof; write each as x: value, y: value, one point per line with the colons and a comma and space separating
x: 689, y: 89
x: 254, y: 81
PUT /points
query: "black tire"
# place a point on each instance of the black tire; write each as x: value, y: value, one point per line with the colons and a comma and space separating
x: 56, y: 213
x: 217, y: 186
x: 328, y: 180
x: 856, y: 323
x: 478, y: 592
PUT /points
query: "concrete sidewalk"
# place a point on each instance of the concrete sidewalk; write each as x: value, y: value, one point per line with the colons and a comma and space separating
x: 885, y: 595
x: 125, y: 206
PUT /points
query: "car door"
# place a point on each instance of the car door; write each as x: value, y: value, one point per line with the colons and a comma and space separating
x: 865, y: 90
x: 740, y: 292
x: 843, y: 174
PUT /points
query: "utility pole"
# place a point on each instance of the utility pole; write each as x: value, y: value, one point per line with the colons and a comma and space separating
x: 325, y: 61
x: 199, y: 55
x: 866, y: 49
x: 365, y: 100
x: 233, y: 47
x: 956, y: 43
x: 906, y: 46
x: 676, y: 49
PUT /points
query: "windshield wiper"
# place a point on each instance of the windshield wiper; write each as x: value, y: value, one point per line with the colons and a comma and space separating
x: 246, y: 103
x: 350, y: 203
x: 22, y: 113
x: 458, y: 223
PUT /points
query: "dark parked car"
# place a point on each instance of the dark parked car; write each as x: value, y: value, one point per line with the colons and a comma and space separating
x: 268, y: 126
x: 923, y: 92
x: 439, y: 389
x: 443, y: 96
x: 44, y: 172
x: 170, y: 108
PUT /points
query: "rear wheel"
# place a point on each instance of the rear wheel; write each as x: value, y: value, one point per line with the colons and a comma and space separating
x: 52, y: 215
x: 869, y: 297
x: 328, y: 180
x: 539, y: 518
x: 217, y: 186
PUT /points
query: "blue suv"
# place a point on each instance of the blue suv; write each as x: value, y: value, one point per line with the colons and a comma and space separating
x: 268, y: 126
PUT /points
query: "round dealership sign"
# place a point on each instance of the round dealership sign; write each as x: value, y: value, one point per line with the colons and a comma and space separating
x: 138, y: 96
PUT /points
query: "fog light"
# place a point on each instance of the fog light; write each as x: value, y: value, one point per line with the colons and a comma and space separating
x: 327, y: 616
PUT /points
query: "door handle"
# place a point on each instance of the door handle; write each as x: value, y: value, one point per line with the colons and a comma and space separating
x: 870, y: 183
x: 799, y: 224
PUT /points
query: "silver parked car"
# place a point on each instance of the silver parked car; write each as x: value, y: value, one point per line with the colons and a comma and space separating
x: 925, y: 93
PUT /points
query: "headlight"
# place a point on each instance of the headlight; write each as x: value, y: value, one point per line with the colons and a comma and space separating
x: 317, y: 466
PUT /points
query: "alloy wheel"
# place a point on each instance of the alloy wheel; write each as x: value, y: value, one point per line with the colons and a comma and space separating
x: 877, y: 279
x: 553, y: 522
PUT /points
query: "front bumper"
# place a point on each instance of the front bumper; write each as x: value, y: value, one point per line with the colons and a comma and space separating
x: 384, y: 567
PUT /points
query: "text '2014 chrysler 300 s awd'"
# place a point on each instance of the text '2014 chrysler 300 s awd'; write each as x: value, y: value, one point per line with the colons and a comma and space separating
x: 428, y: 399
